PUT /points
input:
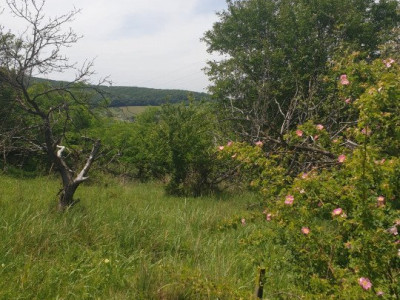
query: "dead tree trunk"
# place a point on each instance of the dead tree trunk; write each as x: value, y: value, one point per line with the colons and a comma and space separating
x: 71, y: 183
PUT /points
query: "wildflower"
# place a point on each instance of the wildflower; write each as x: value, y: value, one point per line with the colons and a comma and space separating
x: 230, y: 143
x: 347, y: 101
x: 380, y: 293
x: 344, y: 80
x: 268, y: 217
x: 393, y: 230
x: 259, y: 144
x: 320, y: 126
x: 337, y: 212
x: 304, y: 176
x: 341, y: 158
x: 299, y: 133
x: 243, y: 221
x: 366, y: 131
x: 289, y: 199
x: 381, y: 201
x: 365, y: 283
x: 305, y: 230
x: 220, y: 148
x: 302, y: 191
x: 388, y: 62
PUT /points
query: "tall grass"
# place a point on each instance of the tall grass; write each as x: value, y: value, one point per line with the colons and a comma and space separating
x: 126, y: 242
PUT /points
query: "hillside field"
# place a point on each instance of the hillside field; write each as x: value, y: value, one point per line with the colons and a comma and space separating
x: 128, y: 241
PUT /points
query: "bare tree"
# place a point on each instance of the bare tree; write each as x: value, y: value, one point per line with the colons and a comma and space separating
x: 38, y: 52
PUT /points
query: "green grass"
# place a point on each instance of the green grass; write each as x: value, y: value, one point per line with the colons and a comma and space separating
x: 127, y: 241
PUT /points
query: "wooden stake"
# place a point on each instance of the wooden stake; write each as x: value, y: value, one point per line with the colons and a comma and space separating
x: 260, y: 284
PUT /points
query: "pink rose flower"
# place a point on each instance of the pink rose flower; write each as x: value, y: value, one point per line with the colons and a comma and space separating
x: 388, y: 62
x: 381, y: 201
x: 305, y: 230
x: 344, y: 80
x: 289, y: 199
x: 393, y: 230
x: 380, y: 293
x: 337, y: 212
x: 365, y: 283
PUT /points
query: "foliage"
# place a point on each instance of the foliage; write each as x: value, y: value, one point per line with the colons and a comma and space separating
x: 189, y: 132
x: 174, y: 143
x: 138, y: 96
x: 341, y: 221
x: 277, y: 58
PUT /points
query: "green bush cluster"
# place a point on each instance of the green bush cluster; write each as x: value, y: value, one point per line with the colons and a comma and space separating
x: 340, y: 220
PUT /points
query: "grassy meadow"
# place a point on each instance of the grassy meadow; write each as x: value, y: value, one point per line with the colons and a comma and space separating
x: 129, y: 241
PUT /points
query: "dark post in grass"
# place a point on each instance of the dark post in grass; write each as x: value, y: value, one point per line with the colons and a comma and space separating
x: 260, y: 284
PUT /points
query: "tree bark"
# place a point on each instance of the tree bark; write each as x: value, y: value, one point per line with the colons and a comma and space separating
x: 70, y: 184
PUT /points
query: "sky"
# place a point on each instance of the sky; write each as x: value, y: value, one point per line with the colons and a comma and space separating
x: 146, y: 43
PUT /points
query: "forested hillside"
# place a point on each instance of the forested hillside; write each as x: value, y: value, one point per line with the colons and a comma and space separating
x: 139, y: 96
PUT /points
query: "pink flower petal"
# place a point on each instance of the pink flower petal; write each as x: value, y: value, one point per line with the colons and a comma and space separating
x: 344, y: 80
x: 320, y: 126
x: 259, y: 144
x: 341, y: 158
x: 348, y: 101
x: 305, y: 230
x: 289, y: 199
x: 337, y: 212
x: 299, y: 133
x: 230, y: 143
x: 220, y: 148
x: 365, y: 283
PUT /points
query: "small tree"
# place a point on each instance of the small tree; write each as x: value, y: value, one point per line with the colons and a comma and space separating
x: 36, y: 52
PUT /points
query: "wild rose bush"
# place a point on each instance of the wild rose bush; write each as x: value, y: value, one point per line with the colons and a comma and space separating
x: 341, y: 220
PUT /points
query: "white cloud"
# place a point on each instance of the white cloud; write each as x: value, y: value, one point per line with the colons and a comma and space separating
x: 154, y: 43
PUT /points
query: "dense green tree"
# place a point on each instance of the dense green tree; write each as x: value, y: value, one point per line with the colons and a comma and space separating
x: 276, y: 56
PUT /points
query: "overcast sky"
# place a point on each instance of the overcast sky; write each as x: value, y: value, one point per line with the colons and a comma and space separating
x: 149, y: 43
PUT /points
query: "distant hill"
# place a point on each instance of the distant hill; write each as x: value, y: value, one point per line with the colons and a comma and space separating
x: 140, y: 96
